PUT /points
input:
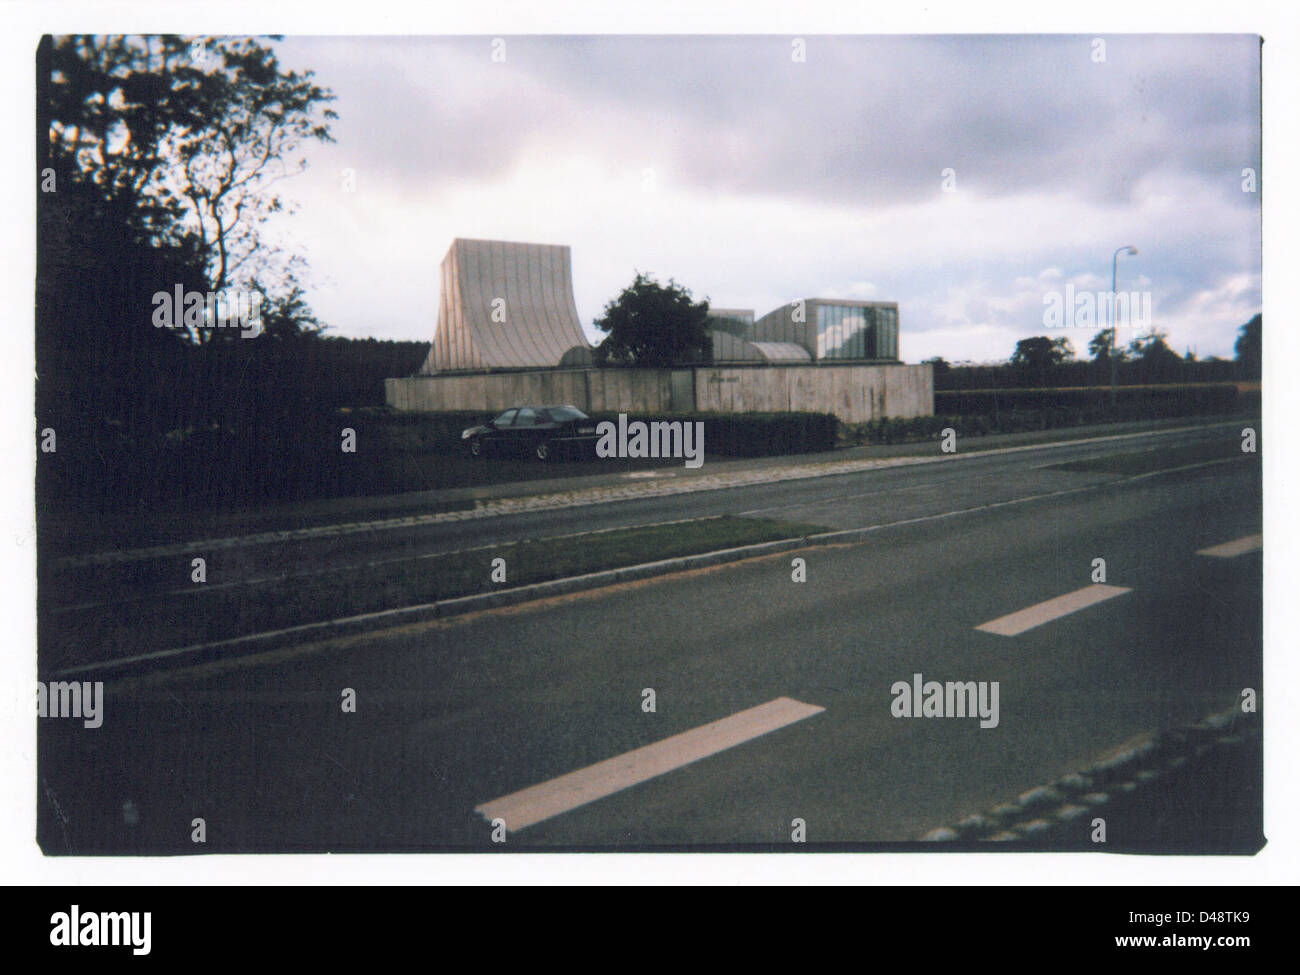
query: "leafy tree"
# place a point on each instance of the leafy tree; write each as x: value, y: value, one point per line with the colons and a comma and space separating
x: 184, y: 140
x: 1152, y: 347
x: 1036, y: 357
x: 1250, y: 348
x: 160, y: 159
x: 1156, y: 361
x: 1099, y: 348
x: 654, y: 326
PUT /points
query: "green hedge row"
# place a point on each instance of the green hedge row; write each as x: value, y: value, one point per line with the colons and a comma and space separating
x: 754, y: 434
x: 980, y: 412
x: 732, y: 434
x: 893, y: 430
x: 1132, y: 402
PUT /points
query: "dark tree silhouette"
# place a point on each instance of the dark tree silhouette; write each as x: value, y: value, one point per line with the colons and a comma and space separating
x: 182, y: 140
x: 1035, y: 358
x: 1099, y: 348
x: 654, y: 326
x: 1250, y: 348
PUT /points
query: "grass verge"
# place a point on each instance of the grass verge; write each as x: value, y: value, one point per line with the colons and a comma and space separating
x: 127, y: 624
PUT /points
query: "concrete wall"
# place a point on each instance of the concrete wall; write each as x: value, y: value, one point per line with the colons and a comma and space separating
x: 854, y: 393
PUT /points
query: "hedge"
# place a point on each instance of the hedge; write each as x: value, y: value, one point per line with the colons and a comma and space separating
x: 980, y: 412
x: 1132, y: 402
x: 753, y: 434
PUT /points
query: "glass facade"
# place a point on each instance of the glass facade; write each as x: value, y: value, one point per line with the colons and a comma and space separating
x: 886, y: 333
x: 851, y: 332
x: 738, y: 323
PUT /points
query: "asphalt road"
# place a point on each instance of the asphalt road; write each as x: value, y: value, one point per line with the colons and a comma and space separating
x: 456, y: 714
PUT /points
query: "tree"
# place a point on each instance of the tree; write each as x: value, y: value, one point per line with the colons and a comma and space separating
x: 1250, y: 348
x: 1099, y: 347
x: 654, y: 326
x: 1037, y: 356
x: 1156, y: 361
x: 186, y: 138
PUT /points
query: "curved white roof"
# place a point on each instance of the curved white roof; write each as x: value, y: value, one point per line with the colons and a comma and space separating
x: 504, y: 305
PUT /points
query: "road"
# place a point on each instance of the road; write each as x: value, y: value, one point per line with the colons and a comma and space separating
x: 464, y: 714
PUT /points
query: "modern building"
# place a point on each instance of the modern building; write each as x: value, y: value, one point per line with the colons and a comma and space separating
x: 508, y: 333
x: 506, y: 305
x: 737, y: 321
x: 809, y: 330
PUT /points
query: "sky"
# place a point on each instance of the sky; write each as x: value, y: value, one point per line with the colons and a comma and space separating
x: 968, y: 178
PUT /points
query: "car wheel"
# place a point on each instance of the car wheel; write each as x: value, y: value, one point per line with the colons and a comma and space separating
x: 476, y: 447
x: 543, y: 451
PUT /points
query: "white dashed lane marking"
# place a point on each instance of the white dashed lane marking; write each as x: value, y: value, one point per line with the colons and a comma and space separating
x: 1013, y: 624
x: 536, y: 803
x: 1230, y: 550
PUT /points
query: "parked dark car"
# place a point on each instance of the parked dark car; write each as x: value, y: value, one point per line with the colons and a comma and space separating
x: 542, y: 431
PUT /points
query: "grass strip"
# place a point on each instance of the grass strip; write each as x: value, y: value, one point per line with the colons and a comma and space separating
x: 132, y: 625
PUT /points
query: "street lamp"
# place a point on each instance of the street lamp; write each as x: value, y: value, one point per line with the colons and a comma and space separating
x: 1114, y: 267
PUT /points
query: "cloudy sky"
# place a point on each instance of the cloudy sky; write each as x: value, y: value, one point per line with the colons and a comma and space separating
x: 754, y: 178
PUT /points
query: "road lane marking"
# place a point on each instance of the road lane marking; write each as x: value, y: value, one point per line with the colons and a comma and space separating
x: 1013, y: 624
x: 536, y: 803
x: 1230, y: 550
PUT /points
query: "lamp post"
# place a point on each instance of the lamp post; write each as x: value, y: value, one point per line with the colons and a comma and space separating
x: 1114, y: 268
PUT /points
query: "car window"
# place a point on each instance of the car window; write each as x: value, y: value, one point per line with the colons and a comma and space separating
x: 563, y: 414
x: 526, y: 418
x: 505, y: 418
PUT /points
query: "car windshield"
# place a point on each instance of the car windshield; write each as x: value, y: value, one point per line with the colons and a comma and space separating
x: 562, y: 414
x: 504, y: 419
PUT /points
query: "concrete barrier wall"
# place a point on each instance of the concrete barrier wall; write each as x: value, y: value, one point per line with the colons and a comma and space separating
x: 854, y: 393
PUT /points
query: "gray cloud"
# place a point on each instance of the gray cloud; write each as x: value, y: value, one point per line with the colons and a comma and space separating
x: 816, y: 174
x: 864, y: 119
